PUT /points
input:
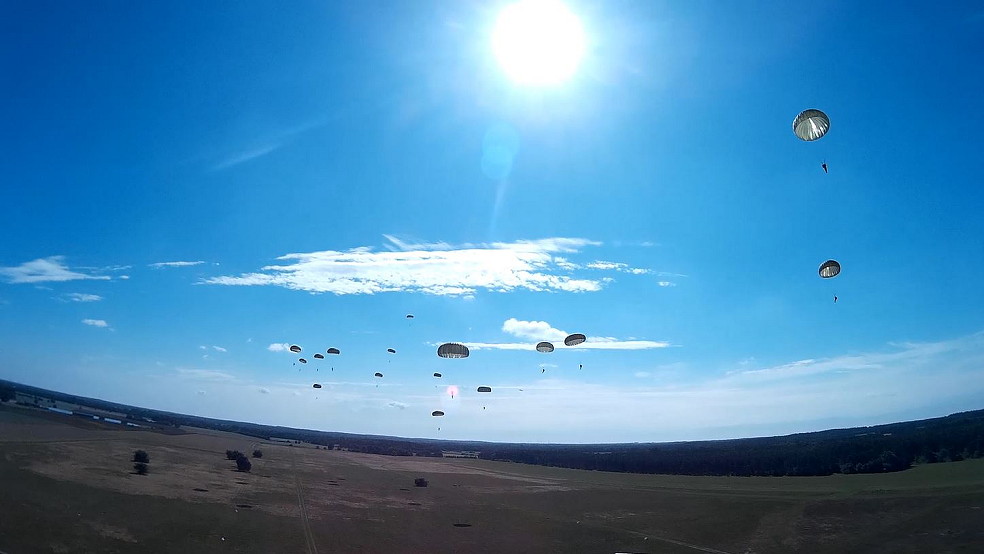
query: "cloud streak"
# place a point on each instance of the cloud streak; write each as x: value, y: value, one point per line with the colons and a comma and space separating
x: 95, y: 322
x: 430, y: 268
x: 43, y: 270
x: 160, y: 265
x: 81, y: 297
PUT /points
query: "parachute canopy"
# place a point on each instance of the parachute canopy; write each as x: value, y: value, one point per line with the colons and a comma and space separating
x: 378, y: 374
x: 391, y: 351
x: 452, y: 350
x: 544, y: 347
x: 437, y: 375
x: 576, y: 338
x: 295, y: 349
x: 484, y: 389
x: 302, y: 360
x: 317, y: 386
x: 811, y: 125
x: 409, y: 316
x: 829, y: 268
x: 319, y: 356
x: 437, y: 413
x: 334, y: 351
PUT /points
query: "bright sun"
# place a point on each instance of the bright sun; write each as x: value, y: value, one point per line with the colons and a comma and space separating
x: 538, y: 42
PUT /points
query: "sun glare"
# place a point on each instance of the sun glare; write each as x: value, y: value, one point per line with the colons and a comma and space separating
x: 538, y: 42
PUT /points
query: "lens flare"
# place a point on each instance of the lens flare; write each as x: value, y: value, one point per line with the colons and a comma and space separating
x: 452, y: 390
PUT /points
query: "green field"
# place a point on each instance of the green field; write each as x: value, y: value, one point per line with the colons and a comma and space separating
x: 67, y: 486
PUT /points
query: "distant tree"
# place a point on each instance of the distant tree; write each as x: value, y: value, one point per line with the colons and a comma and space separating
x: 6, y: 394
x: 233, y: 454
x: 141, y: 457
x: 420, y: 482
x: 140, y: 468
x: 243, y: 464
x: 257, y: 453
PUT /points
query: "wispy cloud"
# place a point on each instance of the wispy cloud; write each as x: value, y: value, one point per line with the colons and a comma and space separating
x: 95, y: 322
x: 430, y: 268
x: 399, y: 405
x: 264, y: 390
x: 218, y: 348
x: 617, y: 266
x: 81, y: 297
x: 204, y: 375
x: 245, y: 156
x: 160, y: 265
x: 43, y: 270
x: 279, y: 347
x: 535, y: 331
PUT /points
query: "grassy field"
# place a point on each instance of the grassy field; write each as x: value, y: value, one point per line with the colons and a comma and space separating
x: 67, y: 486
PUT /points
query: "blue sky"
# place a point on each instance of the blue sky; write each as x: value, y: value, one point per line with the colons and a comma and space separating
x: 324, y: 170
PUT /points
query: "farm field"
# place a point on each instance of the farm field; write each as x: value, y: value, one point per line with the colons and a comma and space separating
x: 68, y: 486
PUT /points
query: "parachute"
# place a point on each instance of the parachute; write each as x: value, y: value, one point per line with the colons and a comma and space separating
x: 295, y: 349
x: 544, y: 347
x: 302, y: 360
x: 319, y: 356
x: 811, y: 125
x: 391, y: 351
x: 334, y: 351
x: 378, y: 374
x: 452, y: 350
x: 437, y: 375
x: 409, y: 316
x: 829, y: 268
x: 437, y: 413
x: 484, y: 389
x: 575, y: 339
x: 317, y: 386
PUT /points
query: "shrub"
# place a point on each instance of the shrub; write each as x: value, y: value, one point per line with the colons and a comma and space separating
x: 141, y: 457
x: 420, y: 482
x: 140, y: 468
x: 233, y: 454
x: 257, y: 453
x: 243, y: 464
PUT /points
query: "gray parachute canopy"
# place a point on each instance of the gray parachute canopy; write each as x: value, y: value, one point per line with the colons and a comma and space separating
x: 391, y: 351
x: 378, y: 374
x: 437, y: 375
x: 544, y: 347
x: 409, y: 316
x: 437, y: 413
x: 302, y: 360
x: 575, y: 339
x: 452, y: 350
x: 317, y: 386
x: 319, y: 356
x: 811, y: 125
x: 334, y: 351
x: 830, y: 268
x: 484, y: 389
x: 295, y: 349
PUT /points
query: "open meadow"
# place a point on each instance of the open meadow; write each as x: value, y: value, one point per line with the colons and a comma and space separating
x: 68, y: 486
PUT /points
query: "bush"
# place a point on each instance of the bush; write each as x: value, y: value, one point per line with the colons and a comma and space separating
x: 257, y: 453
x: 243, y: 464
x: 141, y: 457
x: 140, y: 468
x: 420, y: 482
x: 233, y: 454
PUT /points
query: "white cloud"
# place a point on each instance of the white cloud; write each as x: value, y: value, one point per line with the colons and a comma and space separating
x: 666, y: 284
x: 264, y: 390
x: 43, y: 270
x: 204, y: 375
x: 245, y: 156
x: 201, y: 393
x: 395, y: 404
x: 160, y: 265
x: 81, y: 297
x: 430, y: 268
x: 618, y: 266
x: 96, y: 322
x: 279, y: 347
x: 532, y: 330
x: 219, y: 349
x: 535, y: 331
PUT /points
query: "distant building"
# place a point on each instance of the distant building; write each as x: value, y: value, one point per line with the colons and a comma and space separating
x: 111, y: 420
x: 284, y: 441
x: 60, y: 411
x: 459, y: 454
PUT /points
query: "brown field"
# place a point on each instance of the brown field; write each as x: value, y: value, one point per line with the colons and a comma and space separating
x: 66, y: 485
